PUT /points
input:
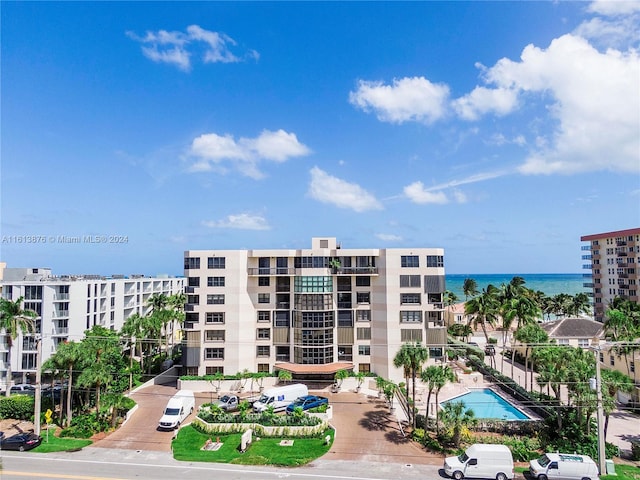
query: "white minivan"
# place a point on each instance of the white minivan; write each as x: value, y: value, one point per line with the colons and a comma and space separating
x: 280, y: 397
x: 178, y: 408
x: 563, y: 466
x: 481, y: 460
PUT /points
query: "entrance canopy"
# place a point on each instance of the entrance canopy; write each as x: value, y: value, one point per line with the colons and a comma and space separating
x: 322, y: 368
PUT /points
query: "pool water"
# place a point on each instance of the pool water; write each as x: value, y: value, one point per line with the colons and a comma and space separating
x: 485, y: 403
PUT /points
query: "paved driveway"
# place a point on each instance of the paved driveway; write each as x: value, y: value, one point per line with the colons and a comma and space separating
x: 365, y: 430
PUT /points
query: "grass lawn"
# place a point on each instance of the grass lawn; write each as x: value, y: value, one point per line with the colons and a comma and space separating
x: 57, y: 444
x: 266, y: 451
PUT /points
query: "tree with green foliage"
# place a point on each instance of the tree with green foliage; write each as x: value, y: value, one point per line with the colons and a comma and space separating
x: 484, y: 309
x: 456, y: 417
x: 613, y: 382
x: 285, y: 376
x: 531, y: 335
x: 469, y: 288
x: 411, y: 356
x: 436, y: 377
x: 67, y: 357
x: 14, y: 320
x: 340, y: 376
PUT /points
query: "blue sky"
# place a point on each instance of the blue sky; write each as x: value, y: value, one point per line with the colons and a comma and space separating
x: 499, y: 131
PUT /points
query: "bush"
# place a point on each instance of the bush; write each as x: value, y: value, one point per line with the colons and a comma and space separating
x: 18, y: 407
x: 85, y: 426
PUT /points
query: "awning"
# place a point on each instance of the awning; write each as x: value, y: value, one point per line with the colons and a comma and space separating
x: 323, y: 368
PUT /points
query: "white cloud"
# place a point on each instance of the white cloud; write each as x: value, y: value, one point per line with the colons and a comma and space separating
x: 241, y: 221
x: 418, y: 194
x: 614, y: 33
x: 209, y: 151
x: 596, y: 102
x: 407, y: 99
x: 482, y: 100
x: 614, y: 7
x: 388, y: 237
x: 335, y: 191
x: 177, y: 48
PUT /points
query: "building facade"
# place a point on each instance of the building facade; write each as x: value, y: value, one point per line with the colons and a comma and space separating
x: 68, y: 305
x: 613, y: 267
x: 311, y: 311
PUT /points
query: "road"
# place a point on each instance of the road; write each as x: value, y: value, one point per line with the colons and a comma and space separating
x: 115, y: 464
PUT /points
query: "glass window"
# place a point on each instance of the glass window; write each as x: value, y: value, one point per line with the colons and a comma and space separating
x: 214, y: 317
x: 264, y: 298
x: 191, y: 263
x: 410, y: 298
x: 214, y: 370
x: 363, y: 333
x: 409, y: 261
x: 214, y: 335
x: 263, y: 368
x: 263, y: 334
x: 281, y: 319
x: 214, y: 353
x: 263, y: 351
x: 314, y: 284
x: 193, y: 282
x: 363, y: 297
x: 410, y: 316
x: 215, y: 262
x: 345, y: 318
x: 364, y: 350
x: 263, y: 281
x: 363, y: 281
x: 435, y: 261
x: 217, y: 299
x: 264, y: 316
x: 215, y: 281
x: 193, y: 299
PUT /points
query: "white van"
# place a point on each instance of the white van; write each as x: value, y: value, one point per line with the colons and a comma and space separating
x: 563, y: 466
x: 178, y: 408
x: 481, y: 460
x: 279, y: 397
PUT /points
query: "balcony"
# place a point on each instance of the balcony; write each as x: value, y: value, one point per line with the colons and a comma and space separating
x: 621, y: 243
x: 266, y: 271
x: 585, y: 248
x: 587, y: 266
x: 355, y: 271
x: 61, y: 314
x: 587, y: 285
x: 587, y: 257
x: 57, y: 331
x: 58, y: 297
x: 283, y: 305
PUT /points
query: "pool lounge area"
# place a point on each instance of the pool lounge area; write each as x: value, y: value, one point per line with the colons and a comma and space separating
x: 488, y: 404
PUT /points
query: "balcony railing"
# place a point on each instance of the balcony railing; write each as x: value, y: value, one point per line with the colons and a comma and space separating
x: 61, y: 296
x: 61, y: 314
x: 265, y: 271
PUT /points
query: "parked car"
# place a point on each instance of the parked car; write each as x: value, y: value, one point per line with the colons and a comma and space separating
x: 20, y: 441
x: 307, y: 403
x: 23, y: 389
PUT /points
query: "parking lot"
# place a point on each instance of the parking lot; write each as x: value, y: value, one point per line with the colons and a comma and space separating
x: 365, y: 429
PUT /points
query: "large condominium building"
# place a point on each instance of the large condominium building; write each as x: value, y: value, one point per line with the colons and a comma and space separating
x: 68, y: 305
x: 311, y: 311
x: 614, y: 267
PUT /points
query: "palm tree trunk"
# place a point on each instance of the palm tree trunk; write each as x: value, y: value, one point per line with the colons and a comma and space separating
x: 426, y: 416
x: 9, y: 382
x: 68, y: 419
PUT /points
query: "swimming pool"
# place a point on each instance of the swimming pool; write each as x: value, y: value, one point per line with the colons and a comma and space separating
x: 485, y: 403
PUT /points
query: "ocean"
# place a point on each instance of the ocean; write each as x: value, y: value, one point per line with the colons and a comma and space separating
x: 549, y: 283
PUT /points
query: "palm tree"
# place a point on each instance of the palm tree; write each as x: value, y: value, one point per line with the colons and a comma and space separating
x: 133, y: 330
x: 580, y: 303
x: 98, y: 345
x: 68, y: 356
x: 14, y: 320
x: 455, y: 416
x: 284, y: 376
x: 469, y: 288
x: 340, y: 376
x: 484, y: 309
x: 436, y: 377
x: 532, y: 334
x: 176, y: 303
x: 411, y: 356
x: 613, y: 382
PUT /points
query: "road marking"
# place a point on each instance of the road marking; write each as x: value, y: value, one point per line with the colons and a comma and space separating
x: 56, y: 475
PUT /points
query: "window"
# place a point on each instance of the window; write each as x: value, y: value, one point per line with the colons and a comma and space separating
x: 583, y: 342
x: 264, y: 298
x: 310, y: 284
x: 345, y: 353
x: 363, y: 333
x: 263, y: 368
x: 345, y: 318
x: 612, y: 361
x: 632, y: 367
x: 193, y: 282
x: 281, y: 319
x: 563, y: 341
x: 194, y: 299
x: 364, y: 368
x: 191, y: 263
x: 409, y: 280
x: 214, y: 317
x: 282, y: 265
x: 215, y: 262
x: 364, y: 350
x: 33, y: 292
x: 435, y: 261
x: 263, y: 334
x: 601, y: 357
x: 363, y: 315
x: 410, y: 335
x: 409, y: 261
x: 216, y: 299
x: 264, y: 266
x: 214, y: 370
x: 263, y: 351
x: 363, y: 297
x: 214, y: 353
x: 363, y: 281
x: 410, y: 316
x: 215, y: 281
x: 264, y: 316
x: 410, y: 298
x: 214, y: 336
x: 263, y: 281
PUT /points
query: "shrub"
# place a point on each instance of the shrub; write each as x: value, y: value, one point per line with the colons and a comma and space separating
x: 85, y: 426
x: 18, y: 407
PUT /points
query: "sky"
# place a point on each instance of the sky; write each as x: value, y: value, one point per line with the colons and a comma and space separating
x: 499, y: 131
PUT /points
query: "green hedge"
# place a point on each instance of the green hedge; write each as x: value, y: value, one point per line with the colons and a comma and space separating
x: 17, y: 407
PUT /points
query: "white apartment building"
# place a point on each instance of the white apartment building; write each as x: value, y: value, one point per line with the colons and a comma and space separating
x: 311, y: 311
x: 69, y: 305
x: 614, y: 267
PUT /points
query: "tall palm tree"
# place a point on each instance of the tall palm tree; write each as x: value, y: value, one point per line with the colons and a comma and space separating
x: 530, y: 335
x: 98, y: 345
x: 67, y: 357
x: 133, y: 330
x: 411, y: 356
x: 469, y: 288
x: 579, y: 303
x: 14, y: 320
x: 484, y: 309
x: 176, y: 304
x: 613, y: 382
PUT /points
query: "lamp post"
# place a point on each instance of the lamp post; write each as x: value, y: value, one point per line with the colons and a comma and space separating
x: 600, y: 412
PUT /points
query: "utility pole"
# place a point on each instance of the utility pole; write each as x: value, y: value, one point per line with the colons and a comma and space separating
x: 38, y: 392
x: 600, y: 414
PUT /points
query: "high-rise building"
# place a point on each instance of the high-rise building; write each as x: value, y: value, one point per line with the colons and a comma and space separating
x: 68, y: 305
x: 311, y: 311
x: 614, y: 266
